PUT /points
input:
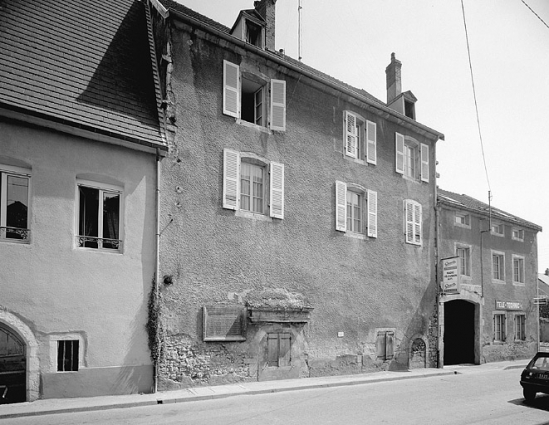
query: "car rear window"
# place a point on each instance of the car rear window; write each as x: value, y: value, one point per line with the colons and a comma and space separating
x: 541, y: 363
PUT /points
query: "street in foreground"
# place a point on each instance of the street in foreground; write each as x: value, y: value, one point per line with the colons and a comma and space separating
x: 473, y: 396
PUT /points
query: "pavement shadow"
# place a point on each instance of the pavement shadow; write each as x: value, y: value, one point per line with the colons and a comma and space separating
x: 541, y: 402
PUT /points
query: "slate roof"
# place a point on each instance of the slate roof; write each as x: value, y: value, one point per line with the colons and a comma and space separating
x: 474, y: 205
x: 83, y: 63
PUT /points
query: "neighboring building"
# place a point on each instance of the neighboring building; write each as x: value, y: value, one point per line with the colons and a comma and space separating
x: 543, y: 294
x: 79, y: 139
x: 494, y: 315
x: 298, y: 212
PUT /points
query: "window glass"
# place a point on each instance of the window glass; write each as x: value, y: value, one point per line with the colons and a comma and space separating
x: 499, y: 327
x: 464, y: 258
x: 14, y: 205
x: 410, y: 161
x: 111, y: 216
x: 497, y: 266
x: 520, y: 327
x: 518, y: 270
x: 354, y: 211
x: 252, y: 187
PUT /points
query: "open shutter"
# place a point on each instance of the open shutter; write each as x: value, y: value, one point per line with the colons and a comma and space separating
x: 231, y: 173
x: 372, y: 214
x: 341, y: 206
x: 350, y: 134
x: 380, y: 345
x: 417, y: 223
x: 231, y: 89
x: 399, y: 148
x: 371, y: 142
x: 389, y: 350
x: 285, y: 349
x: 409, y: 221
x: 277, y: 190
x: 278, y: 105
x: 424, y: 163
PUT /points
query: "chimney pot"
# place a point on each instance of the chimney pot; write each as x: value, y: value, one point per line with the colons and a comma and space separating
x: 394, y: 83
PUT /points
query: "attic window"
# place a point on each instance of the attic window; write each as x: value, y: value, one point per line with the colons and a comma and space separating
x: 409, y: 109
x: 254, y: 34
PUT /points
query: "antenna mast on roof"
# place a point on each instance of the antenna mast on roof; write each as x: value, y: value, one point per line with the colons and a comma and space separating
x: 299, y: 30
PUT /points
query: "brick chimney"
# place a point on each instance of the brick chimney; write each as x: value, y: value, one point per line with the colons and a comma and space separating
x: 266, y: 8
x: 394, y: 85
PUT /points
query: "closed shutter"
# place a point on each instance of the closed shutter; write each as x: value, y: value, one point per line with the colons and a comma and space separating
x: 278, y: 105
x: 417, y: 223
x: 399, y: 148
x: 350, y: 134
x: 277, y: 190
x: 380, y: 345
x: 272, y: 349
x: 231, y: 89
x: 389, y: 350
x: 371, y: 142
x: 285, y: 349
x: 231, y: 177
x: 341, y: 206
x: 424, y: 163
x: 372, y: 214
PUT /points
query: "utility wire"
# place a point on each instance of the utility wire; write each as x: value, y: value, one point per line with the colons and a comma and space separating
x: 531, y: 10
x: 475, y: 96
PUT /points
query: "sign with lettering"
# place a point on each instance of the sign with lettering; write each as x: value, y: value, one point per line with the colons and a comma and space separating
x: 509, y: 305
x: 450, y: 275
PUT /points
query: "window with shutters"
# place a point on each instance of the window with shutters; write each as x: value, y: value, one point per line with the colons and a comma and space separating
x: 412, y: 158
x: 498, y: 267
x: 14, y: 204
x: 464, y: 254
x: 252, y: 184
x: 385, y: 345
x: 279, y: 349
x: 499, y: 327
x: 518, y: 270
x: 356, y: 210
x: 250, y: 99
x: 224, y: 323
x: 359, y: 138
x: 520, y: 327
x: 413, y: 222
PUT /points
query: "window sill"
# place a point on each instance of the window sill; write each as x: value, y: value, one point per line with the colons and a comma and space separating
x: 465, y: 277
x: 465, y: 226
x: 15, y: 241
x: 498, y: 342
x: 356, y: 236
x: 519, y: 283
x: 414, y: 244
x: 500, y: 282
x: 252, y: 125
x: 253, y: 216
x: 500, y: 235
x: 411, y: 179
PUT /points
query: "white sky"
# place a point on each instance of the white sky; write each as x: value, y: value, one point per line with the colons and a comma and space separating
x: 352, y: 40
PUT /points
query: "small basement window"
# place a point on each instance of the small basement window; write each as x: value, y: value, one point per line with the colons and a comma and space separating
x: 224, y: 323
x: 384, y: 345
x: 67, y: 355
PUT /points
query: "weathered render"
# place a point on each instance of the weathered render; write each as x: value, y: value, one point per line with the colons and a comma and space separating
x: 287, y: 290
x: 493, y: 315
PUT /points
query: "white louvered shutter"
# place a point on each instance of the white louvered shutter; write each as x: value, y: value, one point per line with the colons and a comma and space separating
x: 399, y: 148
x: 371, y: 142
x: 409, y: 221
x: 350, y: 134
x: 231, y: 89
x: 277, y: 190
x: 341, y: 206
x: 424, y: 163
x: 231, y: 177
x: 278, y: 105
x: 417, y: 223
x: 372, y: 214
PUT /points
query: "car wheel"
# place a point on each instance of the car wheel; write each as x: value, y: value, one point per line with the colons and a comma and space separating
x: 529, y: 394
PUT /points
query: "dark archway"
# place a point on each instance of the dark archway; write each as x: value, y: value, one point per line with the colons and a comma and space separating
x: 12, y: 367
x: 459, y: 332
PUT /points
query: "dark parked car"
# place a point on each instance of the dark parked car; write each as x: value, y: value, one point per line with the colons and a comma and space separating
x: 535, y: 378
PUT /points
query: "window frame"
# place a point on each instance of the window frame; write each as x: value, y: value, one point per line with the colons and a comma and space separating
x: 413, y: 221
x: 17, y: 172
x: 498, y: 225
x: 284, y: 360
x: 359, y: 138
x: 420, y: 160
x: 466, y: 220
x: 102, y: 188
x: 54, y: 351
x: 369, y: 210
x: 499, y: 326
x: 522, y: 262
x: 468, y: 249
x: 223, y: 314
x: 385, y: 344
x: 520, y: 236
x: 501, y: 272
x: 519, y: 320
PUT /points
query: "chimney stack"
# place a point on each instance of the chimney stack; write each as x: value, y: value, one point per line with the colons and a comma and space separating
x: 266, y: 8
x: 394, y: 85
x: 546, y: 272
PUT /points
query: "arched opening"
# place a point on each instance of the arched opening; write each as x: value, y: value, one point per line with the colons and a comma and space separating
x: 459, y: 332
x: 13, y: 367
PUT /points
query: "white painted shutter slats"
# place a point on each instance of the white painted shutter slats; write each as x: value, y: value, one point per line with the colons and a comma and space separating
x: 341, y: 206
x: 371, y: 142
x: 231, y: 174
x: 417, y: 223
x: 372, y: 214
x: 277, y: 190
x: 424, y: 163
x: 350, y: 134
x: 399, y: 148
x: 278, y: 105
x: 409, y: 221
x: 231, y: 89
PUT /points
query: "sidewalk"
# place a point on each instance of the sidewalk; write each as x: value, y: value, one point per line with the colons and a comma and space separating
x: 67, y: 405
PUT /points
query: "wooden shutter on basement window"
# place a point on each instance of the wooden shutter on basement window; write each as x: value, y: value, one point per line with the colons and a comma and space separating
x: 350, y: 134
x: 372, y: 214
x: 424, y: 163
x: 341, y: 206
x: 224, y: 323
x: 231, y: 177
x: 272, y: 349
x: 371, y: 142
x: 285, y: 349
x: 231, y: 89
x: 277, y: 190
x: 389, y: 350
x: 399, y: 148
x: 278, y: 105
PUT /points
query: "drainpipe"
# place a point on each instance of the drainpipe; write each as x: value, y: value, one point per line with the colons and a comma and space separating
x: 439, y: 295
x: 157, y: 262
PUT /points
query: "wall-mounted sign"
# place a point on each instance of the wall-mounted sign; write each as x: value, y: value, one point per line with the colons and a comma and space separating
x: 509, y: 305
x: 450, y: 275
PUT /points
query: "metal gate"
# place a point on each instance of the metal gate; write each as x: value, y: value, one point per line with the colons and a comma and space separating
x: 12, y: 367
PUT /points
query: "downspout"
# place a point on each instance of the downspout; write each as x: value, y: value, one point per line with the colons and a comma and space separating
x: 439, y: 295
x: 157, y: 267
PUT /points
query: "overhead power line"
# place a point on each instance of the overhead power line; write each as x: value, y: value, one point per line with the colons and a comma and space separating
x: 531, y: 10
x: 475, y: 96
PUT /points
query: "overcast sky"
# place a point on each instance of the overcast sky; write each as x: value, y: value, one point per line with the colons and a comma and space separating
x: 352, y: 40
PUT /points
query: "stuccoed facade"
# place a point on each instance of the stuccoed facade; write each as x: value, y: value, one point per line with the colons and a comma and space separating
x: 294, y: 288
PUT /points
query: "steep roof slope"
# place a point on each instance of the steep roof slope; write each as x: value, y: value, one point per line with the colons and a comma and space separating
x: 86, y: 64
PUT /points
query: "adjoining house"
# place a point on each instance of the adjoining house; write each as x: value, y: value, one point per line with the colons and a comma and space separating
x: 79, y: 142
x: 543, y: 300
x: 298, y: 212
x: 491, y: 314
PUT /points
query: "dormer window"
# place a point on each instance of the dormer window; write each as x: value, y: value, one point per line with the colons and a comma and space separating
x: 250, y: 27
x: 253, y: 33
x: 409, y: 109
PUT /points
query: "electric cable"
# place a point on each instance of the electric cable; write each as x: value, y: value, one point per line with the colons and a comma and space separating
x: 531, y: 10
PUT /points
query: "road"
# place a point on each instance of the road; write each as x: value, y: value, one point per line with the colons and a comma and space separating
x: 486, y: 397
